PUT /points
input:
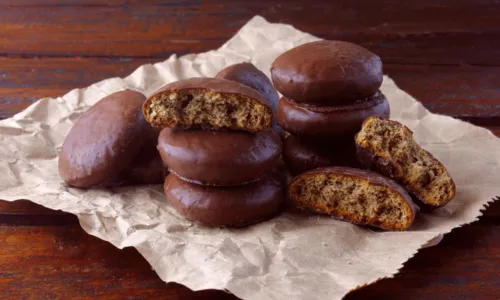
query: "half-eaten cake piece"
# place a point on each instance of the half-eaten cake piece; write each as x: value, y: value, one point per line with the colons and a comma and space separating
x: 209, y: 103
x: 358, y: 196
x: 388, y: 147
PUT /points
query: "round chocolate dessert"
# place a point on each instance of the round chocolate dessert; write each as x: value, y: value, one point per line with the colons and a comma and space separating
x: 226, y: 206
x: 327, y: 73
x: 104, y: 140
x: 219, y: 158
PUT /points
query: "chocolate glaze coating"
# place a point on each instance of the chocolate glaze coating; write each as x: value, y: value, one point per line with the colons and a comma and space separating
x: 226, y: 206
x: 104, y: 140
x: 249, y: 75
x: 330, y: 121
x: 146, y: 168
x: 301, y: 155
x: 327, y: 73
x: 152, y: 138
x: 220, y: 158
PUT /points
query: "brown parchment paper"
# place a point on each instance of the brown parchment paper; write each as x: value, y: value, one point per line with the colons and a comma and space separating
x: 294, y: 256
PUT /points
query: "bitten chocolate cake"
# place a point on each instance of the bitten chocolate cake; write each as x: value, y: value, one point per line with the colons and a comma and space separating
x: 389, y: 148
x: 354, y: 195
x: 208, y: 103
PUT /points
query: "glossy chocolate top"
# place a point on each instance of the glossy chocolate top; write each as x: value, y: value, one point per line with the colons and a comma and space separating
x: 104, y: 140
x: 226, y: 206
x: 219, y: 157
x: 327, y: 73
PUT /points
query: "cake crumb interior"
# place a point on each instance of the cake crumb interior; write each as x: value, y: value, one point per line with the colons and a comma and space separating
x: 425, y: 175
x: 352, y: 198
x: 207, y: 108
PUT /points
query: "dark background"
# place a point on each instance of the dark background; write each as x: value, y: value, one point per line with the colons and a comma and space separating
x: 445, y: 53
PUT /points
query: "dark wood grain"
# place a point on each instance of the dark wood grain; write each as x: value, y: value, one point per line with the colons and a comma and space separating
x: 444, y: 53
x: 25, y: 80
x: 468, y: 92
x: 67, y: 263
x: 63, y: 262
x: 461, y: 267
x: 466, y: 32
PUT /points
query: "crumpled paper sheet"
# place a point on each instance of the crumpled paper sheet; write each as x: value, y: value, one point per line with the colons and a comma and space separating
x: 293, y: 256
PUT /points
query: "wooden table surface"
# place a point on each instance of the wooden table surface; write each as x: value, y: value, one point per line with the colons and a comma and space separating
x: 445, y: 53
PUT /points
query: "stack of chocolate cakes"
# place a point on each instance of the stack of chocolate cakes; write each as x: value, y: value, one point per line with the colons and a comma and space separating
x: 329, y: 88
x: 220, y: 149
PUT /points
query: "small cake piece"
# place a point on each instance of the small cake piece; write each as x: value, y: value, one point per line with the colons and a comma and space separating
x: 104, y: 140
x: 219, y: 158
x: 247, y: 74
x: 358, y: 196
x: 389, y: 148
x: 209, y: 103
x: 301, y: 155
x: 330, y: 121
x: 234, y: 206
x: 327, y: 73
